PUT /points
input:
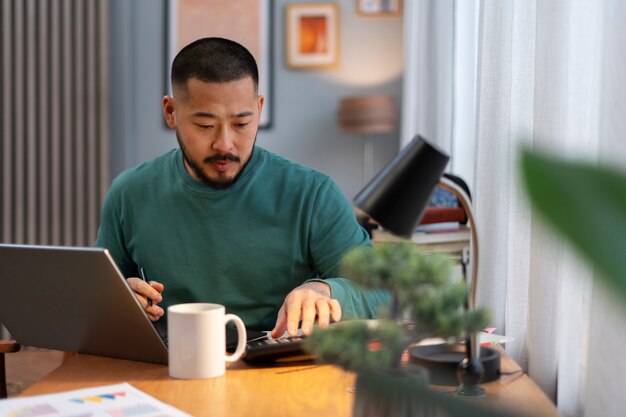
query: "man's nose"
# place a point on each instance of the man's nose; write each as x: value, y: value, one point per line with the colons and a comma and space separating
x: 224, y: 141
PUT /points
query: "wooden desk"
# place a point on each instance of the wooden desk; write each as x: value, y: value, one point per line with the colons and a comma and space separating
x: 305, y: 389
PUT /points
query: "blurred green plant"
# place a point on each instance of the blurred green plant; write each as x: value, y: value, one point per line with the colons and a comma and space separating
x: 359, y: 345
x: 587, y: 204
x: 426, y: 302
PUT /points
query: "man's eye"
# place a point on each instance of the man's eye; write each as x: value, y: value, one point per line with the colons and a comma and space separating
x: 243, y: 124
x: 204, y: 126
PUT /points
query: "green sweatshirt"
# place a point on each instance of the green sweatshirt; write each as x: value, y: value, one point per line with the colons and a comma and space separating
x: 246, y: 247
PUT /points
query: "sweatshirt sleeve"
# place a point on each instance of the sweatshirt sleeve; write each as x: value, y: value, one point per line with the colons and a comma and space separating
x: 356, y: 302
x: 334, y: 231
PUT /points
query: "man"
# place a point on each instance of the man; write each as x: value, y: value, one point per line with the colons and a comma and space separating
x: 221, y: 220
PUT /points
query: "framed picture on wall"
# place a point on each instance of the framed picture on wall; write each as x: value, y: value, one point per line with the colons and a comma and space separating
x: 248, y: 22
x: 379, y: 8
x: 312, y: 35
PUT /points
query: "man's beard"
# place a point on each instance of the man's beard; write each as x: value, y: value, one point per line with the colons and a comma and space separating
x: 220, y: 183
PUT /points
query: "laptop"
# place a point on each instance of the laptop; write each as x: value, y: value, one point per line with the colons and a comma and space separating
x: 75, y: 299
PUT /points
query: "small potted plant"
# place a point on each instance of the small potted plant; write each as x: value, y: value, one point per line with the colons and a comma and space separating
x: 425, y: 302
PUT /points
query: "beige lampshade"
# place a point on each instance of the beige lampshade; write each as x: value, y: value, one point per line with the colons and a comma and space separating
x: 368, y: 115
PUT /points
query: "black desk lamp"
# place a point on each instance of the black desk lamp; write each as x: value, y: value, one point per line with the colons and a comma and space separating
x: 396, y: 198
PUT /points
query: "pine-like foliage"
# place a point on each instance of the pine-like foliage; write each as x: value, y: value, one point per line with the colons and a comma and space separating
x: 426, y: 301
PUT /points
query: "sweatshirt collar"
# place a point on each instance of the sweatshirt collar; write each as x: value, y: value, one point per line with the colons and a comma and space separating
x: 204, y: 189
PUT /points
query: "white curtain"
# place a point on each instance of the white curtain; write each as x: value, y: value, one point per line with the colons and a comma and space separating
x: 549, y: 75
x: 427, y: 93
x: 538, y: 85
x: 606, y: 377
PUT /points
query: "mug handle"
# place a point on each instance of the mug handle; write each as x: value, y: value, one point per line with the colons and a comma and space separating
x: 241, y: 339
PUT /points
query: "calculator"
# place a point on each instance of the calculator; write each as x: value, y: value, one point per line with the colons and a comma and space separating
x: 283, y: 349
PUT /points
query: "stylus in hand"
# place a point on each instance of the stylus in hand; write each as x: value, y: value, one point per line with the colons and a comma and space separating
x: 142, y: 274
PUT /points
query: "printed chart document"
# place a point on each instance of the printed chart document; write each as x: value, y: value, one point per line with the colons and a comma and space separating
x: 104, y: 401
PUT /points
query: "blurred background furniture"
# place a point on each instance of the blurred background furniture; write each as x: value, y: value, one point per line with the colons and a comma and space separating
x: 6, y: 346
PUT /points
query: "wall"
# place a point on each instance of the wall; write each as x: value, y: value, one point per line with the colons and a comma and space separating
x: 304, y: 127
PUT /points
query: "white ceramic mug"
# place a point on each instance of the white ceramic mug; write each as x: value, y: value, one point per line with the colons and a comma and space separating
x: 196, y: 335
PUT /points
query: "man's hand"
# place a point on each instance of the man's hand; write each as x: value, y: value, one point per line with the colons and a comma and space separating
x: 304, y: 303
x: 143, y: 291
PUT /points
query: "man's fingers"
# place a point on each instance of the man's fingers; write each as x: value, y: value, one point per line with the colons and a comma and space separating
x: 323, y: 313
x: 143, y: 291
x: 281, y: 323
x: 294, y: 310
x: 335, y: 309
x: 154, y: 312
x: 157, y: 286
x: 152, y: 290
x: 308, y: 302
x: 134, y: 283
x: 308, y: 316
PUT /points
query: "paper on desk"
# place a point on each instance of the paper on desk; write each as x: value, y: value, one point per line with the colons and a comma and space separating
x: 491, y: 339
x: 484, y: 338
x: 104, y: 401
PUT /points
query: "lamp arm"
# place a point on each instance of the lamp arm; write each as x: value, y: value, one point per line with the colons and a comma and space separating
x: 465, y: 203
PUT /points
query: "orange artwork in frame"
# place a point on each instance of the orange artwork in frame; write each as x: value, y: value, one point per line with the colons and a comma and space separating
x: 312, y: 40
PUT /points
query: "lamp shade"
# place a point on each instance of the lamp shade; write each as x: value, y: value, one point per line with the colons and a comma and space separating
x: 368, y: 115
x: 397, y: 196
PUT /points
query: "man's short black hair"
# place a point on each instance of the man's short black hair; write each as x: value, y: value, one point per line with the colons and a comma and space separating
x: 214, y: 60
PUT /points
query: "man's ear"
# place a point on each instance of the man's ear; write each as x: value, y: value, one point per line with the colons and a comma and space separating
x: 260, y: 102
x: 169, y: 111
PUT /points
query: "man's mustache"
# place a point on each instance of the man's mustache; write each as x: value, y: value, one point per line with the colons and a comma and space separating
x: 221, y: 157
